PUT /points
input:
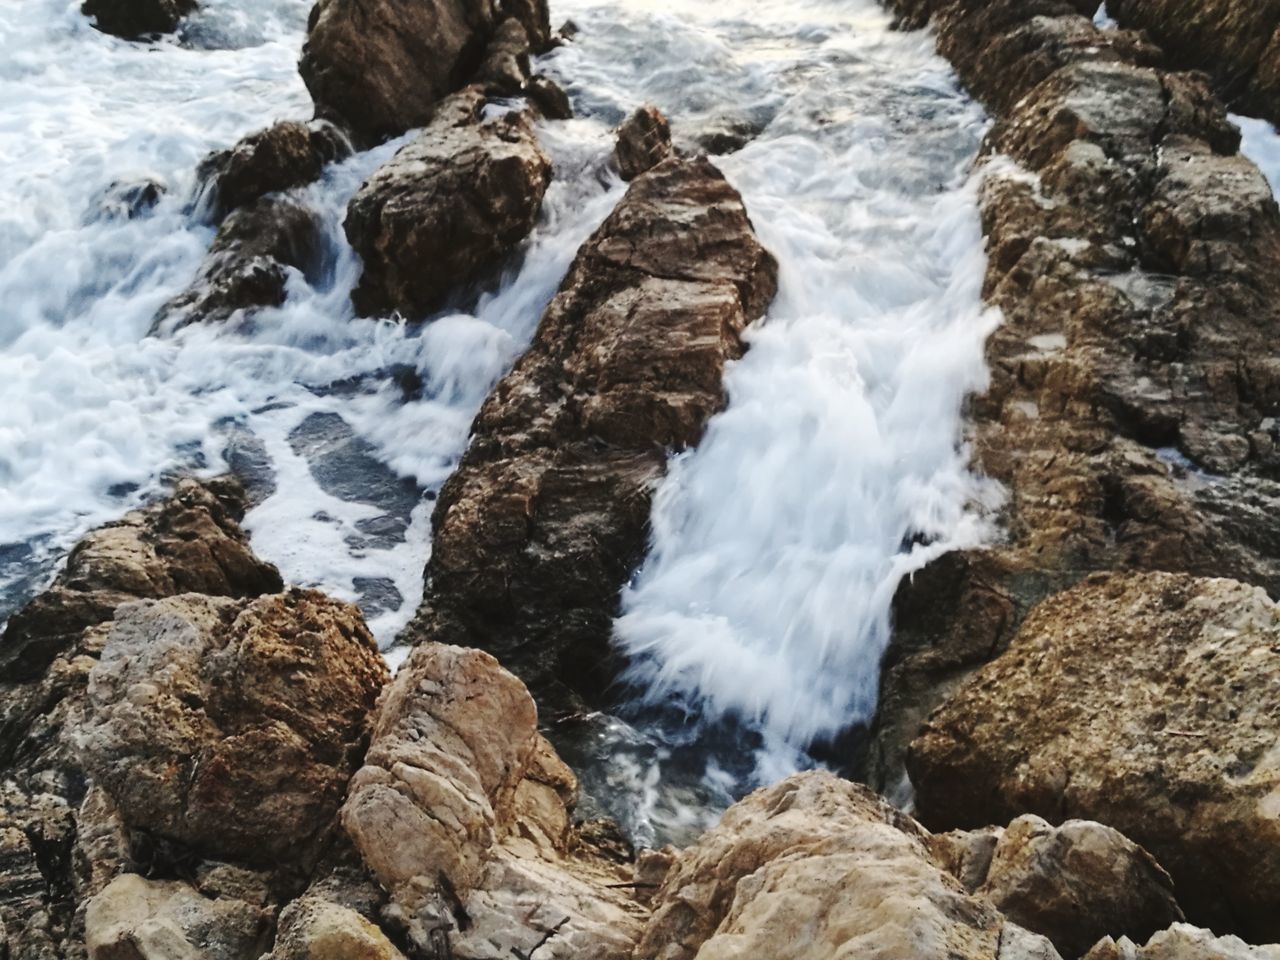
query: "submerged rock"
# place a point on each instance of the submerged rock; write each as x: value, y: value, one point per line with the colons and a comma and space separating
x: 446, y: 208
x: 379, y: 67
x: 1149, y: 702
x: 547, y: 515
x: 133, y: 19
x: 644, y: 141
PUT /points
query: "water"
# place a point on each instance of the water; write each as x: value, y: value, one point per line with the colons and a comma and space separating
x: 756, y: 625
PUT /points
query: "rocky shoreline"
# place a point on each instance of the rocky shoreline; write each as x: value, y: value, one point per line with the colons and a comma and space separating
x: 198, y: 761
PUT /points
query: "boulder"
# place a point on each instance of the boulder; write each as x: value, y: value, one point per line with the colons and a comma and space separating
x: 135, y: 19
x: 535, y: 17
x: 139, y: 919
x: 231, y: 727
x: 379, y: 67
x: 547, y: 515
x: 462, y: 813
x: 644, y: 141
x: 315, y: 928
x: 817, y: 868
x: 189, y: 543
x: 1148, y: 702
x: 447, y: 208
x: 549, y: 98
x: 249, y: 263
x: 1182, y: 942
x: 1074, y: 884
x: 504, y: 71
x: 285, y: 155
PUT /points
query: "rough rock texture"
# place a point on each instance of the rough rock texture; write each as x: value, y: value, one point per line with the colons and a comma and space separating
x: 379, y: 67
x: 821, y: 869
x: 644, y: 141
x: 1136, y: 259
x: 535, y: 17
x: 138, y: 919
x: 1075, y: 884
x: 133, y: 19
x: 285, y: 155
x: 1236, y: 41
x: 461, y: 812
x: 547, y: 515
x: 248, y: 264
x: 315, y: 928
x: 1149, y: 702
x: 232, y: 727
x: 446, y: 208
x: 1183, y: 942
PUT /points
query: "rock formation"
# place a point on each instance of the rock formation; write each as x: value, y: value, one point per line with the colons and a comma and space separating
x: 644, y: 141
x: 547, y: 515
x: 1183, y: 942
x: 135, y: 19
x: 1148, y: 702
x: 446, y: 208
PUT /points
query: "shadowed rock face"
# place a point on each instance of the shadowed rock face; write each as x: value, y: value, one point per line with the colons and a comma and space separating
x: 1145, y: 701
x: 446, y: 208
x: 133, y: 19
x: 1236, y: 41
x: 379, y: 67
x: 644, y: 141
x: 548, y: 512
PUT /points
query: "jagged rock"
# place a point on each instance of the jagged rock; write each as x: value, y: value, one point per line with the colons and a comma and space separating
x: 285, y: 155
x: 535, y: 15
x: 813, y: 868
x: 462, y: 813
x: 1148, y: 702
x: 505, y: 69
x: 190, y: 543
x: 549, y: 98
x: 232, y: 727
x: 379, y: 67
x: 1074, y: 884
x: 644, y: 141
x: 138, y: 919
x: 1183, y: 942
x: 248, y: 264
x: 446, y: 208
x: 127, y: 199
x: 547, y: 515
x: 314, y: 928
x: 133, y: 19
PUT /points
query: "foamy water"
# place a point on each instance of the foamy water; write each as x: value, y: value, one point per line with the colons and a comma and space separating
x: 759, y: 618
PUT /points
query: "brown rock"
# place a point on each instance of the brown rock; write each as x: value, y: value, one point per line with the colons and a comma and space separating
x: 547, y: 515
x: 644, y: 141
x: 535, y: 15
x: 379, y: 67
x: 313, y: 928
x: 232, y: 727
x: 1182, y: 942
x: 1148, y: 702
x: 135, y: 19
x: 549, y: 98
x: 446, y: 208
x: 461, y: 812
x: 505, y: 68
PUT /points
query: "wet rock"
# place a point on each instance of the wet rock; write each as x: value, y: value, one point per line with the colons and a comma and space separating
x: 285, y: 155
x: 462, y: 813
x: 134, y: 19
x: 644, y: 141
x: 446, y: 208
x: 127, y: 200
x: 248, y: 264
x: 549, y: 98
x: 547, y: 515
x: 816, y: 867
x: 379, y: 67
x: 138, y: 919
x: 232, y: 727
x: 1075, y: 884
x: 505, y: 69
x: 1147, y: 702
x: 1182, y: 942
x: 535, y: 16
x: 190, y: 543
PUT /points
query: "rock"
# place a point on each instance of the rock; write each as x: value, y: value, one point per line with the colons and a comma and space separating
x: 644, y: 141
x: 248, y: 264
x: 1074, y: 884
x: 127, y: 200
x: 190, y: 543
x: 1183, y: 942
x: 547, y: 515
x: 813, y: 868
x: 446, y: 208
x: 137, y: 919
x: 379, y: 67
x: 313, y: 928
x: 134, y: 19
x: 231, y: 727
x: 1148, y: 702
x: 462, y: 813
x: 285, y: 155
x: 535, y: 16
x: 549, y: 98
x: 505, y: 69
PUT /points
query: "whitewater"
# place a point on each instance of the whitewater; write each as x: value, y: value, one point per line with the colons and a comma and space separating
x: 837, y: 468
